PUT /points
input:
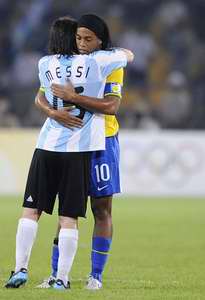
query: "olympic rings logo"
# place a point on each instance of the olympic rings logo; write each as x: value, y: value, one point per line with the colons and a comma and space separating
x: 172, y: 164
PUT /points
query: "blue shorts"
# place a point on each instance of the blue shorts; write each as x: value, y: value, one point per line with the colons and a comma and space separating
x: 105, y: 176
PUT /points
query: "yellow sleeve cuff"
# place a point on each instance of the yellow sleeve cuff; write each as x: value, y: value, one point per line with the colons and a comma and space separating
x: 42, y: 89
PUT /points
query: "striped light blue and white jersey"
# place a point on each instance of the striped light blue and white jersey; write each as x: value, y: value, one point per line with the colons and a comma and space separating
x: 88, y: 72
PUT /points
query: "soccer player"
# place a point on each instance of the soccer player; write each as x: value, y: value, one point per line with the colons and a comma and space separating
x: 61, y: 161
x: 93, y: 34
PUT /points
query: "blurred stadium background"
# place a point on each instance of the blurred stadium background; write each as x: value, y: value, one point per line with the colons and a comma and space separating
x: 162, y: 115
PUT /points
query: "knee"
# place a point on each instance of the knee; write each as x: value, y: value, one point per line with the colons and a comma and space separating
x: 31, y: 213
x: 101, y: 212
x: 68, y: 223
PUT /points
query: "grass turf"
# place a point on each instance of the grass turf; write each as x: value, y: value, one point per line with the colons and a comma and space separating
x: 157, y: 253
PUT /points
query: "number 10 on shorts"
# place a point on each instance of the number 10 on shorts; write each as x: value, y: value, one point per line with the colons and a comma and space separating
x: 102, y: 172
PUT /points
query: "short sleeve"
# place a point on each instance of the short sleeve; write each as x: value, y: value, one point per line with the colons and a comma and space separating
x: 110, y: 60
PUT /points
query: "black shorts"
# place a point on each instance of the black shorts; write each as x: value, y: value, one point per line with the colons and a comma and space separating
x: 65, y: 174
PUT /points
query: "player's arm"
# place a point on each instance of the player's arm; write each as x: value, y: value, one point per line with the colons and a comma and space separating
x: 62, y: 116
x: 107, y: 105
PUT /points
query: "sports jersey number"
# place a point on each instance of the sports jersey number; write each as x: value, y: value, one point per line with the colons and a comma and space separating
x: 82, y: 110
x: 78, y: 90
x: 102, y: 172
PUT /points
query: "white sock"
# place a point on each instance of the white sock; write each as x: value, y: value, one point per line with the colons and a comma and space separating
x: 25, y: 237
x: 67, y: 244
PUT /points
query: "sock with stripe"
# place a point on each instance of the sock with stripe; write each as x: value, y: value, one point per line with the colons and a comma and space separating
x: 54, y: 257
x: 99, y: 256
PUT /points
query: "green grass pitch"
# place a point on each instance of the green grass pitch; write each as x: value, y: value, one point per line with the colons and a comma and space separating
x: 158, y: 252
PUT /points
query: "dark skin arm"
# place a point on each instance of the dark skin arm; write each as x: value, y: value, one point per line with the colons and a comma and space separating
x: 62, y: 116
x: 108, y: 105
